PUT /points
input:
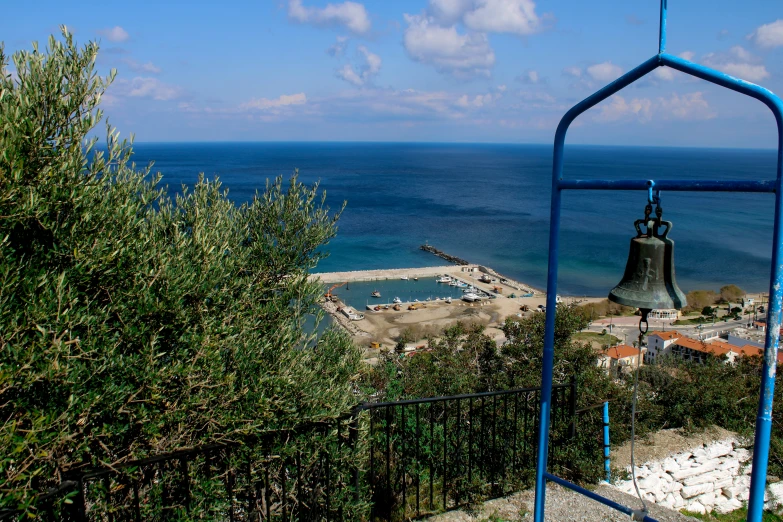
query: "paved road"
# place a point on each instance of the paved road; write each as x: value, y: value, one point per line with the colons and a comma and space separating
x: 627, y: 328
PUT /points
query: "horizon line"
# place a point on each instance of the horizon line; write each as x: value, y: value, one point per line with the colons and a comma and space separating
x: 507, y: 143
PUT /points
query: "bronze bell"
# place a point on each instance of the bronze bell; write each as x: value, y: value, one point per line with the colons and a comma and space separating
x: 648, y: 282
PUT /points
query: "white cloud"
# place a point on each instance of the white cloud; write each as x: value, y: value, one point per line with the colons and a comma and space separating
x: 489, y: 16
x: 576, y: 72
x: 410, y: 105
x: 284, y: 100
x: 618, y: 108
x: 604, y: 72
x: 449, y: 11
x: 365, y: 72
x: 687, y: 55
x: 446, y: 49
x: 148, y: 67
x: 146, y: 87
x: 530, y: 76
x: 503, y: 16
x: 349, y: 14
x: 477, y: 101
x: 114, y: 34
x: 691, y: 106
x: 339, y: 46
x: 664, y: 73
x: 768, y: 35
x: 738, y: 62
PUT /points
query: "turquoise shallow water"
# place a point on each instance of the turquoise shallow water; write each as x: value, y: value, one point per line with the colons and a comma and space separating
x: 489, y: 204
x: 357, y: 294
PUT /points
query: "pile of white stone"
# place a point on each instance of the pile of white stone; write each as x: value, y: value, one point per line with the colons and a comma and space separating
x: 715, y: 477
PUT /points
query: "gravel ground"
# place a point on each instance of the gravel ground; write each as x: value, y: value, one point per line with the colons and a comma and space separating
x: 561, y: 505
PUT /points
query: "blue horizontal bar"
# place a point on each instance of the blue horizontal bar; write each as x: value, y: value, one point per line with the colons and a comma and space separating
x: 598, y: 498
x: 669, y: 184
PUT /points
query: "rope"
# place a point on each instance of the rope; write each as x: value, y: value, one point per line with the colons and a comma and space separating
x: 637, y: 515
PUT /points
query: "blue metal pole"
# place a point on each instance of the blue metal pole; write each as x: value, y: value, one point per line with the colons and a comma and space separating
x: 761, y: 443
x: 606, y: 443
x: 662, y: 29
x: 549, y: 336
x: 738, y: 185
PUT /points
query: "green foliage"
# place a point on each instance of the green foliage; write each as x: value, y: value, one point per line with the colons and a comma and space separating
x: 707, y: 310
x: 731, y: 293
x: 740, y: 515
x: 699, y: 299
x: 465, y: 360
x: 132, y: 323
x: 604, y: 308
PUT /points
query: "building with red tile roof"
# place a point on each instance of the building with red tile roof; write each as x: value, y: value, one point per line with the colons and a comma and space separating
x: 659, y: 343
x: 620, y: 356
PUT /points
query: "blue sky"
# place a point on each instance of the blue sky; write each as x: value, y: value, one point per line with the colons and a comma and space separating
x: 419, y: 70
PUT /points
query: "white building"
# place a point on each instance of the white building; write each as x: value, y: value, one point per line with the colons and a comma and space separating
x: 660, y: 343
x: 666, y: 315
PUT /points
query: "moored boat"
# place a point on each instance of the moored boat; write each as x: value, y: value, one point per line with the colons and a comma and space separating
x: 443, y: 279
x: 375, y: 293
x: 396, y: 300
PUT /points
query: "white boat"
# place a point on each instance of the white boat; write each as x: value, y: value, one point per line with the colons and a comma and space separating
x: 404, y: 278
x: 351, y: 314
x: 471, y: 297
x: 376, y: 293
x: 448, y: 300
x: 443, y: 279
x: 415, y: 300
x: 460, y: 284
x: 453, y: 283
x: 396, y: 300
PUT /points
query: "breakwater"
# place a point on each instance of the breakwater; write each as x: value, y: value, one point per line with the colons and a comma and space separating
x: 443, y: 255
x: 459, y: 261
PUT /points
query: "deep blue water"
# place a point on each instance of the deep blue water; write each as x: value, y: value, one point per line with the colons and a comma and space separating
x: 489, y: 204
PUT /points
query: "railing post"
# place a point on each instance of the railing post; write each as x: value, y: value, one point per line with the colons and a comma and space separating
x: 352, y: 441
x: 607, y: 468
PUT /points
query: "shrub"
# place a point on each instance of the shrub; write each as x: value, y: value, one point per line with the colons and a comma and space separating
x: 731, y: 293
x: 131, y: 323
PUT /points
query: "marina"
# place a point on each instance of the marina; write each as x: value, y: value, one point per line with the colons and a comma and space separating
x: 423, y: 302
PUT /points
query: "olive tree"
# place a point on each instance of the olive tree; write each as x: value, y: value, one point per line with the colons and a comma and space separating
x: 133, y: 323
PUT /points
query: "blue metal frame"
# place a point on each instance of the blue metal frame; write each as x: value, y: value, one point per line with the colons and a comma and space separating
x: 607, y: 467
x: 764, y: 415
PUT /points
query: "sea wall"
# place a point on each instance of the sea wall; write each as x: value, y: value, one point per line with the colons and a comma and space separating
x: 443, y: 255
x: 712, y: 477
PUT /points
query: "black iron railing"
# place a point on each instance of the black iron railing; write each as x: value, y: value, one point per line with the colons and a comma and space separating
x: 385, y: 461
x: 434, y: 454
x: 284, y: 475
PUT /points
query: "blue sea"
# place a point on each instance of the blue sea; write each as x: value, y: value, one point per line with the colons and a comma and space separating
x: 489, y: 204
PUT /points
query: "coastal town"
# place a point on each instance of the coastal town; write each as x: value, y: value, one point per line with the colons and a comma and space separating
x: 487, y: 299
